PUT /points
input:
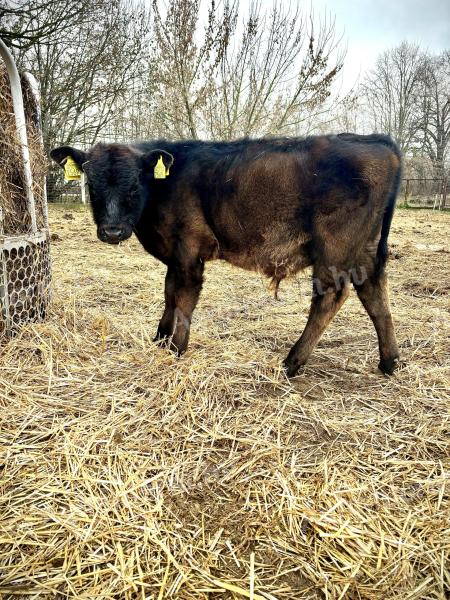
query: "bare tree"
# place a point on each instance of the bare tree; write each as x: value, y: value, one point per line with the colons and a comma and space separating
x: 392, y: 91
x: 278, y: 78
x: 85, y: 71
x: 435, y: 109
x: 267, y: 77
x: 349, y: 114
x: 21, y: 24
x: 187, y: 61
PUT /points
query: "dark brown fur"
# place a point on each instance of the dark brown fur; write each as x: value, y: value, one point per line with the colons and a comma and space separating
x: 273, y: 206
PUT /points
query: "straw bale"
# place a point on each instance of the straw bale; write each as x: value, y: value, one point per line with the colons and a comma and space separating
x: 16, y: 219
x: 129, y: 474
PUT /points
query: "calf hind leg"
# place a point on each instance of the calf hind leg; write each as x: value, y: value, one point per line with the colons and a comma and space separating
x: 373, y: 294
x: 324, y: 306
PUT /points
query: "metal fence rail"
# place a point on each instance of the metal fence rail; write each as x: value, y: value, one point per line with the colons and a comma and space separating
x: 426, y: 192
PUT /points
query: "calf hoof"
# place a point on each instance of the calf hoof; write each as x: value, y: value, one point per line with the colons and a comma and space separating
x: 291, y: 366
x: 161, y: 339
x: 389, y: 365
x: 178, y: 352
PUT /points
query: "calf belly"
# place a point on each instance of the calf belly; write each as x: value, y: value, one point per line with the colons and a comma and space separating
x: 277, y: 253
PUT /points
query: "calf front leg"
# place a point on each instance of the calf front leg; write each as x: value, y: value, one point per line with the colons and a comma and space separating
x: 184, y: 281
x: 167, y: 323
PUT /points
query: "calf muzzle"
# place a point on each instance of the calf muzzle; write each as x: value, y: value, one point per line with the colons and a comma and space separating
x: 113, y: 234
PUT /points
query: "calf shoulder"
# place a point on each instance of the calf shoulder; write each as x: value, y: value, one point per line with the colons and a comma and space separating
x: 176, y: 231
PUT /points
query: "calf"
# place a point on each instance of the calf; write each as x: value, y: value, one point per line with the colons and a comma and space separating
x: 270, y: 205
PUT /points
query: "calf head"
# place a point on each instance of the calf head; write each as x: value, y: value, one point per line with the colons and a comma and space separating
x: 119, y: 178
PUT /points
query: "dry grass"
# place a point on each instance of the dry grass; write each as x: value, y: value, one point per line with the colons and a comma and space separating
x: 15, y: 218
x: 128, y: 474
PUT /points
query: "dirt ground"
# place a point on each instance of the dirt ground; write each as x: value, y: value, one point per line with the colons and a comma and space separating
x: 127, y: 473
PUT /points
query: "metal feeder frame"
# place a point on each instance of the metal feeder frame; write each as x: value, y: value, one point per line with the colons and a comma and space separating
x: 25, y: 267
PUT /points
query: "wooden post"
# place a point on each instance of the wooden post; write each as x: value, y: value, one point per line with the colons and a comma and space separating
x: 83, y: 188
x: 444, y: 193
x: 437, y: 197
x: 406, y: 191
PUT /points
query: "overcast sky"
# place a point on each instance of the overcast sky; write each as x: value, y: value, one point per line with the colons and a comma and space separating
x: 371, y: 26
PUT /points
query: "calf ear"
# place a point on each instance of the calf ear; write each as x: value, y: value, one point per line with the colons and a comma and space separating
x: 157, y: 163
x: 60, y: 155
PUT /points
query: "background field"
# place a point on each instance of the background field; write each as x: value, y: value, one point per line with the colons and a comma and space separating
x: 126, y: 473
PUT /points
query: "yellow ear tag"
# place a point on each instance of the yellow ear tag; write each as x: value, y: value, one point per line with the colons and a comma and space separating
x: 160, y: 171
x: 71, y: 170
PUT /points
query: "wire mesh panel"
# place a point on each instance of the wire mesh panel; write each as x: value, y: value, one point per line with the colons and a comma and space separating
x: 25, y: 275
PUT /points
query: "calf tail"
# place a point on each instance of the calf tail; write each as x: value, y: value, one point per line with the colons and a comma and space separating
x: 383, y: 250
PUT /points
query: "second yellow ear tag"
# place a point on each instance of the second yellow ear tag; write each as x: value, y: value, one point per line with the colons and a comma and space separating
x: 160, y: 171
x: 72, y: 171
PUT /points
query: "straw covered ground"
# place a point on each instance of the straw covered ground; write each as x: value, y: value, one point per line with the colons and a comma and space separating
x: 126, y: 473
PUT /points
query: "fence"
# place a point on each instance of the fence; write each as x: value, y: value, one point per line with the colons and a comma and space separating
x: 59, y: 190
x: 425, y: 192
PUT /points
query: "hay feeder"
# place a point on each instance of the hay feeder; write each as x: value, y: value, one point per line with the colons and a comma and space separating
x: 25, y: 271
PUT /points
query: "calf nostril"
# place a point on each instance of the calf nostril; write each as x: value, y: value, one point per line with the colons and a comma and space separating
x: 113, y: 232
